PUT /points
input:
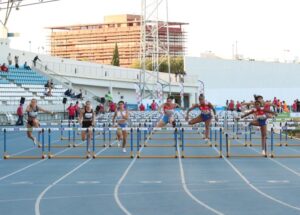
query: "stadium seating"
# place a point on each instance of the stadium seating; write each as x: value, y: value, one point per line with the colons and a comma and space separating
x: 17, y: 83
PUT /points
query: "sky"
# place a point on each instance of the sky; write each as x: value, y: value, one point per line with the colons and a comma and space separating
x: 262, y: 29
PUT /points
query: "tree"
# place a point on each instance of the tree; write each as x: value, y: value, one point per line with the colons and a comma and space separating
x: 177, y: 66
x: 115, y: 60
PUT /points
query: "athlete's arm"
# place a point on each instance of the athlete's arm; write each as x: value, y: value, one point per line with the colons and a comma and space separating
x: 247, y: 114
x: 114, y: 116
x: 45, y: 111
x: 80, y: 118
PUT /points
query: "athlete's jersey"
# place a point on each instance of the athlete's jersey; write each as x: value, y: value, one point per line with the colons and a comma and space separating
x: 260, y: 113
x: 33, y: 113
x: 205, y: 108
x: 169, y: 110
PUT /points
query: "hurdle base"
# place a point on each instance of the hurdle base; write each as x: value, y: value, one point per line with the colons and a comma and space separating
x: 157, y: 156
x: 285, y: 156
x: 247, y: 156
x: 51, y: 156
x: 6, y: 157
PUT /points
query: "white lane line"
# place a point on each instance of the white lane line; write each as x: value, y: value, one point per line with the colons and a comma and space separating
x: 117, y: 187
x: 255, y: 188
x: 27, y: 150
x: 39, y: 198
x: 281, y: 164
x: 278, y: 181
x: 33, y: 164
x: 22, y: 183
x: 150, y: 182
x: 21, y: 152
x: 27, y: 167
x: 88, y: 182
x: 186, y: 189
x: 277, y: 162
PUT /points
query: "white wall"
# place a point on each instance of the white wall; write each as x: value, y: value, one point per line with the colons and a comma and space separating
x: 239, y: 80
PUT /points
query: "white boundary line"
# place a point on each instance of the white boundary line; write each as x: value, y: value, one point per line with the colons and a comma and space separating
x: 277, y: 162
x: 186, y: 189
x: 21, y: 152
x: 257, y: 189
x: 31, y: 165
x: 117, y: 187
x: 39, y: 198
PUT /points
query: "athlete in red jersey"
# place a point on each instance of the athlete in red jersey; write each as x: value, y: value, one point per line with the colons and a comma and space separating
x: 260, y: 120
x: 168, y: 113
x: 205, y: 116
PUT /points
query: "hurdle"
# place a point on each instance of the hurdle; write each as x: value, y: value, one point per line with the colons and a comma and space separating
x: 273, y: 155
x: 166, y: 131
x: 183, y: 145
x: 228, y: 154
x: 7, y: 156
x: 209, y: 144
x: 131, y: 155
x: 158, y: 156
x: 52, y: 156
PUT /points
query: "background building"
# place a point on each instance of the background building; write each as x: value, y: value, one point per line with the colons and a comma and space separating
x: 96, y: 42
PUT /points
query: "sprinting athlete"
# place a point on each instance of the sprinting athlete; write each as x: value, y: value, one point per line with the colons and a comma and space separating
x: 121, y: 116
x: 87, y: 120
x: 32, y: 122
x: 260, y: 114
x: 168, y: 109
x: 205, y: 116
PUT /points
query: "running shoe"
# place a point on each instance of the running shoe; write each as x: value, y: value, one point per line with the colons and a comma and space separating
x: 35, y: 142
x: 124, y: 150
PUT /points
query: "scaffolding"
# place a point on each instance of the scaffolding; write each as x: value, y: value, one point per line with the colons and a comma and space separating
x: 155, y: 44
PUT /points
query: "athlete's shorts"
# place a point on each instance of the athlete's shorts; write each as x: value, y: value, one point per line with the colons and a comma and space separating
x: 205, y: 117
x: 86, y: 124
x: 262, y: 121
x: 30, y: 122
x: 122, y: 125
x: 165, y: 119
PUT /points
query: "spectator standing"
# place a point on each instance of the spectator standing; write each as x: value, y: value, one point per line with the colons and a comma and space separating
x: 17, y: 62
x: 100, y: 109
x: 294, y: 106
x: 238, y: 106
x: 20, y: 114
x: 142, y: 107
x: 231, y: 105
x: 298, y: 105
x: 35, y: 59
x: 112, y: 106
x: 72, y: 111
x: 153, y: 106
x: 77, y: 109
x: 9, y: 60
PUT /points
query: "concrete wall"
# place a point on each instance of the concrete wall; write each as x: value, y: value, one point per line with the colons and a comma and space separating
x: 239, y: 80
